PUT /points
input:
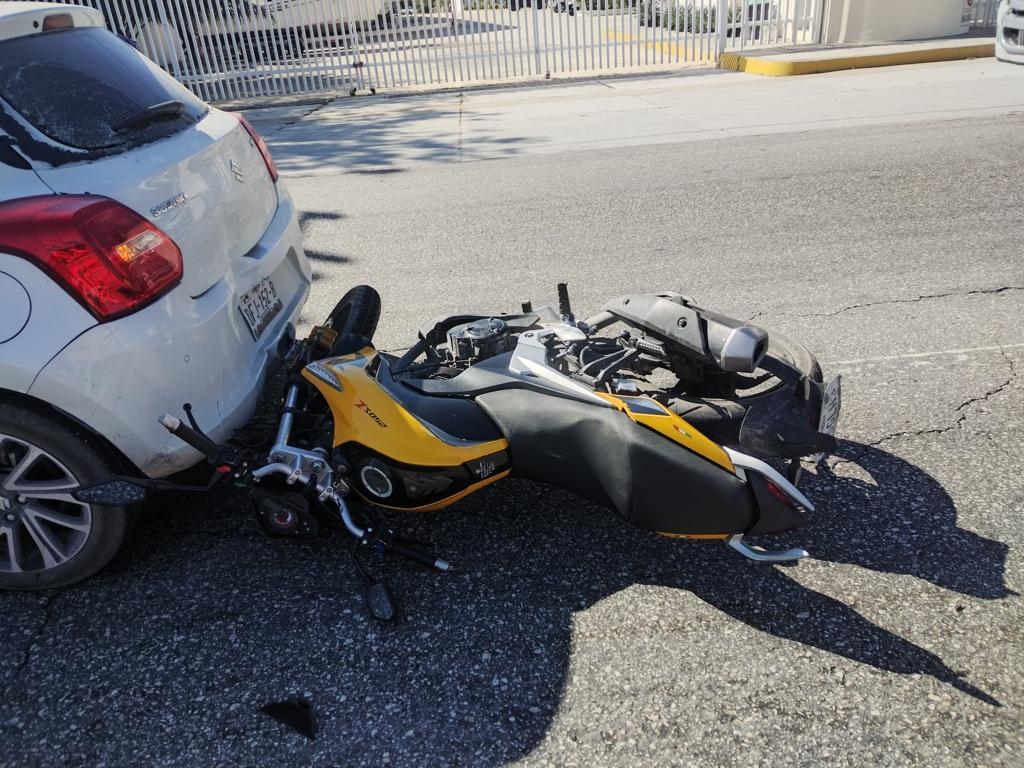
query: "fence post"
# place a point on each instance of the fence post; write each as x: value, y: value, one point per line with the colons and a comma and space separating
x: 535, y: 8
x: 721, y: 28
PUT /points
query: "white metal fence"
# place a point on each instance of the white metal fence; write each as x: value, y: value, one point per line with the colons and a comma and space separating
x: 983, y: 13
x: 229, y: 49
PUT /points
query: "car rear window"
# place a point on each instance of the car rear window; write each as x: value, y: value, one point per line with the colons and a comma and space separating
x: 88, y: 90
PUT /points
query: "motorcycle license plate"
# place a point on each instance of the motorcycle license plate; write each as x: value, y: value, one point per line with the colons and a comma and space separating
x: 259, y: 305
x: 831, y: 402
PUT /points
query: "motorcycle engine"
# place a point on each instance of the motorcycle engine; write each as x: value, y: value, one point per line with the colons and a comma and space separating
x: 479, y: 340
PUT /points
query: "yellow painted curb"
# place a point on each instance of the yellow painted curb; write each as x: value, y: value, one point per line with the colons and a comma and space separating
x: 774, y: 68
x: 678, y: 54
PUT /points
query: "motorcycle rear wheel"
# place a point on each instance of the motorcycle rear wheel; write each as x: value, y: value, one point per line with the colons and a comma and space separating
x: 720, y: 418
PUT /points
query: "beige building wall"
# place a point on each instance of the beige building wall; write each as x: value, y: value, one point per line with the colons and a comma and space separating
x: 865, y: 21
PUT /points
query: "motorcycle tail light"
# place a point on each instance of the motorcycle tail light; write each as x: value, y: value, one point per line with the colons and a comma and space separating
x: 261, y: 145
x: 104, y: 254
x: 782, y: 496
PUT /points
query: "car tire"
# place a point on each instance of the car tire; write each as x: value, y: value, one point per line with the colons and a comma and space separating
x: 47, y: 541
x: 354, y: 318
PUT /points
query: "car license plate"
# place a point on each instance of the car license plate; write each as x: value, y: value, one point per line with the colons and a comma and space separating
x: 831, y: 402
x: 259, y: 305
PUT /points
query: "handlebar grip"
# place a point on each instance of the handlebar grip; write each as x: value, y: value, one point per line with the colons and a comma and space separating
x: 419, y: 556
x: 655, y: 350
x: 184, y: 432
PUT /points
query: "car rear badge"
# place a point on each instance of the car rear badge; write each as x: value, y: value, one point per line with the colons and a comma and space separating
x: 237, y: 170
x: 167, y: 205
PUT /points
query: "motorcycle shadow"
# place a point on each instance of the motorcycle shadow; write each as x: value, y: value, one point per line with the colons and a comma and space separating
x: 498, y: 632
x: 479, y: 664
x: 896, y: 518
x: 901, y: 521
x: 890, y: 517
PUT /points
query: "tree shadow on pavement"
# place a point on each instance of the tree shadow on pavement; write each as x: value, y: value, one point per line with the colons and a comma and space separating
x: 307, y: 223
x: 381, y: 137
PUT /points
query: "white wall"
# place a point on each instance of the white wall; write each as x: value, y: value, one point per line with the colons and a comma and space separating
x: 864, y: 21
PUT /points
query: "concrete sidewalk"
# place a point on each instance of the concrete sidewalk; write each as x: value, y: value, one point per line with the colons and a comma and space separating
x: 805, y: 60
x: 380, y: 134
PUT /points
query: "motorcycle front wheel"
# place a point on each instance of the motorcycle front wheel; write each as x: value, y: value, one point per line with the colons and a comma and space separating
x: 354, y: 318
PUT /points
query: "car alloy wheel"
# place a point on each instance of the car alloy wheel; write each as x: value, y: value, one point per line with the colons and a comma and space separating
x: 41, y: 525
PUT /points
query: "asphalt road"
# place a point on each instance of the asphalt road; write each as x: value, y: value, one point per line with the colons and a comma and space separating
x: 565, y: 637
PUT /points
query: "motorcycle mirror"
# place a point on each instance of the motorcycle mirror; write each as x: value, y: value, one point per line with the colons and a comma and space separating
x: 115, y: 492
x: 380, y: 602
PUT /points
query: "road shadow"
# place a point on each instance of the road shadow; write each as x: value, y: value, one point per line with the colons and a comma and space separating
x: 896, y: 518
x: 308, y: 221
x: 475, y: 669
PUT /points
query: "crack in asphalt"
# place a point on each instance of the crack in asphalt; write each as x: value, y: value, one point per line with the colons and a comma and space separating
x: 297, y: 119
x: 924, y: 297
x: 992, y: 392
x: 26, y: 657
x: 958, y: 424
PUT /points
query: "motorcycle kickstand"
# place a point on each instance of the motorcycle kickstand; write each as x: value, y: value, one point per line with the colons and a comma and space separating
x: 763, y: 555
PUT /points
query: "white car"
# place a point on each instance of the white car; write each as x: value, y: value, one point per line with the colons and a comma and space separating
x: 149, y: 257
x: 201, y: 36
x: 332, y: 15
x: 1010, y: 31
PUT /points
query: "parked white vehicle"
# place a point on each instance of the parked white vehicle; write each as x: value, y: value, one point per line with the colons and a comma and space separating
x: 202, y: 35
x: 148, y: 257
x: 331, y: 16
x: 1010, y: 31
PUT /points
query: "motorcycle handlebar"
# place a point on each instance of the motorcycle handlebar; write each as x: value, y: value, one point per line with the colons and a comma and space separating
x: 184, y: 432
x: 419, y: 556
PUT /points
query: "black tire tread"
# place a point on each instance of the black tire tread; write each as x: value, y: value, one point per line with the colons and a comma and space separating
x: 354, y: 318
x: 86, y: 458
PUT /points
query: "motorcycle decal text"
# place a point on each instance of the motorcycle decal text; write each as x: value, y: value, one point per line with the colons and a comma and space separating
x: 361, y: 405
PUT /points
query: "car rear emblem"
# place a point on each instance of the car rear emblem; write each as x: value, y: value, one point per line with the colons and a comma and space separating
x: 237, y: 170
x: 167, y: 205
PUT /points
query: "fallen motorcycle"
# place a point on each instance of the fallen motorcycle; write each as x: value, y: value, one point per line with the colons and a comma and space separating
x: 654, y: 407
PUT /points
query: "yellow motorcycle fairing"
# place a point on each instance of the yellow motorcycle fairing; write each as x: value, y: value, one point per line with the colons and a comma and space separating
x: 653, y: 415
x: 388, y: 446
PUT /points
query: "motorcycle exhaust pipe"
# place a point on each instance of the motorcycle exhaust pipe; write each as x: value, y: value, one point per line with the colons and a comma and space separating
x: 715, y: 339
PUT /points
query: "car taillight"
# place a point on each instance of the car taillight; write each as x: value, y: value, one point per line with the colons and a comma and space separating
x: 261, y: 145
x: 108, y: 257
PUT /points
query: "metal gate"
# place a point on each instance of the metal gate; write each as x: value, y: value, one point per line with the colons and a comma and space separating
x: 230, y: 49
x: 982, y: 13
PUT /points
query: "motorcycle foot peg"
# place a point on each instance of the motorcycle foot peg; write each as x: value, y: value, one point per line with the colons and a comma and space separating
x: 380, y: 602
x: 763, y: 555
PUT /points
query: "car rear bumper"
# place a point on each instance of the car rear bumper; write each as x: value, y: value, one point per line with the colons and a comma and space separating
x: 119, y: 377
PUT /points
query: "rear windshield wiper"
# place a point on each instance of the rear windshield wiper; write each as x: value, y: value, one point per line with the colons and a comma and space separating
x: 151, y: 114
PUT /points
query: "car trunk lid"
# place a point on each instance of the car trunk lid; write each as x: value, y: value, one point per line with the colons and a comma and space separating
x: 207, y: 188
